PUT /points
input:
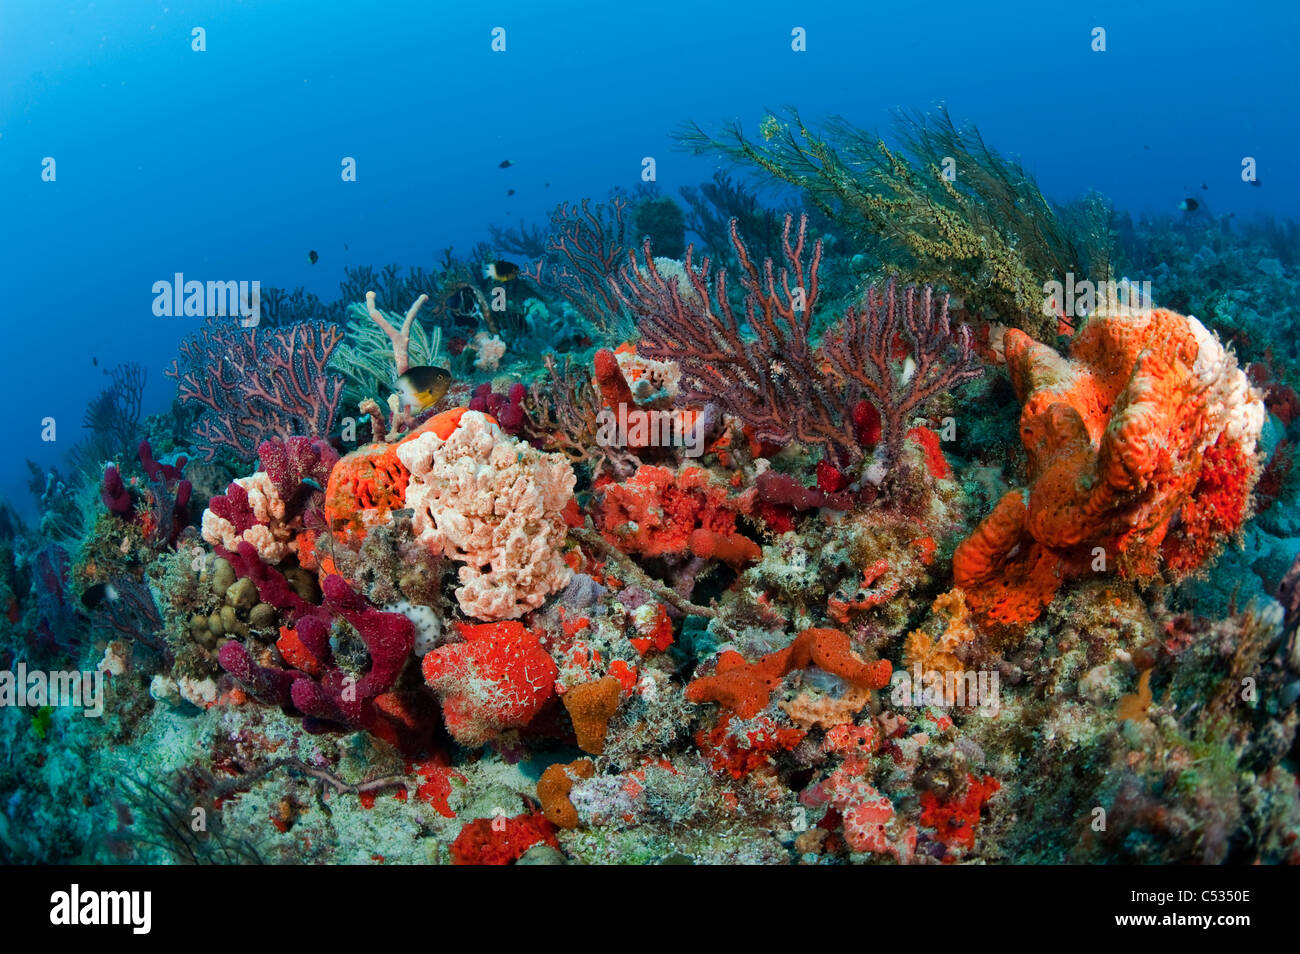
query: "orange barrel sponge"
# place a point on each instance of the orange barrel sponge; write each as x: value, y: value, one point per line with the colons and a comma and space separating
x: 370, y: 483
x: 1141, y: 451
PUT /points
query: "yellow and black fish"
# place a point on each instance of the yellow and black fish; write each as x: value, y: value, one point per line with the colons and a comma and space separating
x: 500, y: 271
x: 423, y: 386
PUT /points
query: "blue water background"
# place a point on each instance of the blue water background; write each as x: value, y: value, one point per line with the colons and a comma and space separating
x: 225, y: 164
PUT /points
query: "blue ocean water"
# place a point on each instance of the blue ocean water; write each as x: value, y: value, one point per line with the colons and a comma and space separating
x: 225, y: 163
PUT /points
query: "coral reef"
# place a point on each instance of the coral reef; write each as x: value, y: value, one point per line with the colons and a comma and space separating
x: 829, y: 548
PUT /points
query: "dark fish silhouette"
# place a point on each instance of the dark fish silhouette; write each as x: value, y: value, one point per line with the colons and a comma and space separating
x: 98, y: 594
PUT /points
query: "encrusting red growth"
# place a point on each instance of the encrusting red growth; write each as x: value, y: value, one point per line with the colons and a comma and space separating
x: 436, y: 787
x: 745, y: 687
x: 868, y: 595
x: 1216, y: 509
x: 662, y: 513
x: 955, y: 819
x: 625, y: 673
x: 657, y: 636
x: 498, y: 678
x: 928, y: 441
x: 499, y: 841
x: 868, y: 820
x: 739, y: 751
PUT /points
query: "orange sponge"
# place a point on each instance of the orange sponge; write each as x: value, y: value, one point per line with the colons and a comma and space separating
x: 745, y: 687
x: 591, y: 705
x: 553, y: 791
x: 366, y: 485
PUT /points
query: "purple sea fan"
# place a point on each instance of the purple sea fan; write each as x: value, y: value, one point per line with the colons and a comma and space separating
x: 768, y: 373
x: 863, y: 350
x: 258, y: 383
x: 770, y: 379
x: 583, y: 249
